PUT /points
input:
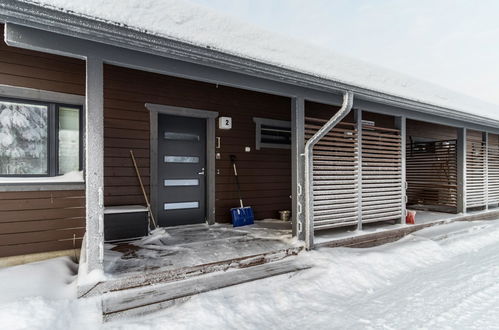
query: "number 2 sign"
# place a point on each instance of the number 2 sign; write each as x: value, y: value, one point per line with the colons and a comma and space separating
x: 225, y: 122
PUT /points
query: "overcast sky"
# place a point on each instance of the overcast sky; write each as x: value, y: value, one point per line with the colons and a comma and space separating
x: 454, y: 43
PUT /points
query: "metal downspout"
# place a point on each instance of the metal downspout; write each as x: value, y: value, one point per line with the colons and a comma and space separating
x: 309, y: 167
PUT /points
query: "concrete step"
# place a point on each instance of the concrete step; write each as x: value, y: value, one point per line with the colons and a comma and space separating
x: 148, y: 278
x: 144, y: 300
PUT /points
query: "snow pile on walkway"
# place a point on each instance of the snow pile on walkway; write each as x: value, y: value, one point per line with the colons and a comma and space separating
x: 42, y: 295
x: 427, y: 280
x: 442, y: 277
x: 201, y: 26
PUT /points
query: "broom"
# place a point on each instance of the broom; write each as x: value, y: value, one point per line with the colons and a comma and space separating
x: 151, y: 216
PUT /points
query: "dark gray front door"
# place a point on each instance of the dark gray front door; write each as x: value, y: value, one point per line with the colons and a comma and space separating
x: 181, y: 170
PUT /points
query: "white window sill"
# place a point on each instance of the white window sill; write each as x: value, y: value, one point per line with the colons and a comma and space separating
x: 69, y: 181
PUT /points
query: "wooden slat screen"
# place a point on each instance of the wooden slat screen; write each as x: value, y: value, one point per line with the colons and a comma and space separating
x: 476, y: 159
x: 432, y: 173
x: 381, y: 174
x: 336, y: 165
x: 493, y: 170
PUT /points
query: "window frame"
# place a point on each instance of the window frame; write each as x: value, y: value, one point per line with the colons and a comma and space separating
x: 52, y: 136
x: 80, y: 135
x: 271, y: 122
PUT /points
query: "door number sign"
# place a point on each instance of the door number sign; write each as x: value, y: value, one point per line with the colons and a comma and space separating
x: 225, y: 122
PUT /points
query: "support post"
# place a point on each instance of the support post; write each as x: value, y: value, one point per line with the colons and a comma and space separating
x: 358, y: 121
x: 485, y: 139
x: 461, y: 169
x: 94, y: 163
x: 298, y: 166
x: 401, y: 124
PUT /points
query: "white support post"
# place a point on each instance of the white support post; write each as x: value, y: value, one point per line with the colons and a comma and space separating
x: 358, y: 121
x: 298, y: 166
x: 461, y: 169
x: 485, y: 137
x: 401, y: 124
x: 94, y: 163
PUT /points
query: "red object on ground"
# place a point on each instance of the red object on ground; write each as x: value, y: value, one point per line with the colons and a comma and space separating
x: 411, y: 218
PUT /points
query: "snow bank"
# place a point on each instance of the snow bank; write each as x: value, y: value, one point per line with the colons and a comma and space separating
x: 201, y: 26
x: 441, y: 277
x: 50, y: 279
x: 42, y: 295
x: 349, y: 289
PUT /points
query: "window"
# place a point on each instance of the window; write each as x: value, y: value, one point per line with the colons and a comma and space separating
x: 271, y: 133
x: 39, y: 139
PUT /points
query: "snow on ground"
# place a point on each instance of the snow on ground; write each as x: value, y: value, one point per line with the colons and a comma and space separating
x: 438, y: 278
x: 205, y: 27
x: 42, y: 295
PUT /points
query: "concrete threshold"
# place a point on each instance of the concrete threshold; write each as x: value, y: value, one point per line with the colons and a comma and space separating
x: 361, y: 239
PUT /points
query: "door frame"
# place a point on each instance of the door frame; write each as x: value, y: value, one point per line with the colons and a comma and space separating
x: 210, y: 116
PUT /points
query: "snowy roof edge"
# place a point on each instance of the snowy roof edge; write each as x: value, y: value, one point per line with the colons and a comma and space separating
x: 58, y: 20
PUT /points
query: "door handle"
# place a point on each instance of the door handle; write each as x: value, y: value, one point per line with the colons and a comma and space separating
x: 202, y: 171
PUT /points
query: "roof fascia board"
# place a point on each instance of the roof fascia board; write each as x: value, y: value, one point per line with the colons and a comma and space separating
x: 111, y: 34
x: 385, y: 109
x: 50, y: 42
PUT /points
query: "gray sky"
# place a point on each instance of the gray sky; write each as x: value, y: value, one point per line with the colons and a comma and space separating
x: 454, y: 43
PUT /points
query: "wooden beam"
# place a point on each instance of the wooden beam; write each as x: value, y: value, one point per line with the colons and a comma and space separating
x: 358, y: 179
x: 461, y: 169
x: 485, y: 138
x: 298, y: 166
x: 401, y: 124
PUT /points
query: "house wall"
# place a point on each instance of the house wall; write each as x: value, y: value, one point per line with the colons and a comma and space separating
x: 430, y: 130
x: 265, y: 174
x: 40, y: 221
x: 432, y: 176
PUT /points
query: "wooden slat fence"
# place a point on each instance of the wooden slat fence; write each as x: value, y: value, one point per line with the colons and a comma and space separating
x: 336, y: 164
x: 336, y: 188
x: 476, y: 169
x: 381, y: 174
x: 432, y: 173
x: 493, y: 169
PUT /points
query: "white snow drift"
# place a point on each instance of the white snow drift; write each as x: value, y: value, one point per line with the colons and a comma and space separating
x: 442, y: 277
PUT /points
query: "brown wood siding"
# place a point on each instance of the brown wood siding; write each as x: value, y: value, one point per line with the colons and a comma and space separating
x: 324, y: 111
x: 24, y: 68
x: 430, y: 130
x: 476, y: 170
x: 432, y: 173
x: 40, y: 221
x: 379, y: 120
x: 265, y: 174
x: 493, y: 169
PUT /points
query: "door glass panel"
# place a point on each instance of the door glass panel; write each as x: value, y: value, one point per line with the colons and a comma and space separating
x: 23, y: 138
x: 181, y: 136
x: 187, y: 182
x: 182, y: 205
x: 181, y: 159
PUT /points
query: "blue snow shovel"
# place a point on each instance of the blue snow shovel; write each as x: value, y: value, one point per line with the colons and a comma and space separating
x: 241, y: 216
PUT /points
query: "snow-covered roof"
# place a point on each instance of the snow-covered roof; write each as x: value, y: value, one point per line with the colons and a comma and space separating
x: 200, y: 26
